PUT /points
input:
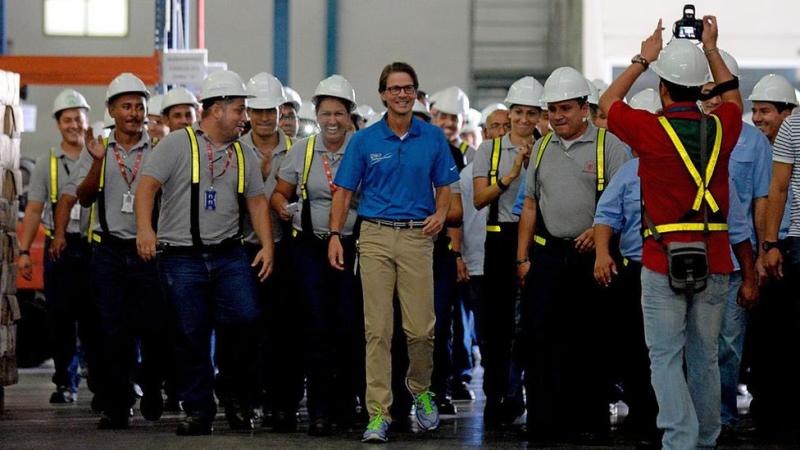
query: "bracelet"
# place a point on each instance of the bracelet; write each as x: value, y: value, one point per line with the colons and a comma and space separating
x: 522, y: 261
x: 503, y: 187
x: 711, y: 50
x: 455, y: 253
x: 335, y: 233
x: 24, y: 253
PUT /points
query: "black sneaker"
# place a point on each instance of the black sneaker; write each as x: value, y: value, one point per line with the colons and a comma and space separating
x: 62, y: 396
x: 109, y: 421
x: 194, y: 426
x: 152, y: 405
x: 446, y: 406
x: 462, y: 392
x: 319, y: 427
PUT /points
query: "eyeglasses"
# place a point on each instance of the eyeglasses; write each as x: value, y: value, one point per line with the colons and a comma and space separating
x: 395, y: 90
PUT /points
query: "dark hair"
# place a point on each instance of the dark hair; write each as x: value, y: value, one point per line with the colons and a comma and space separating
x: 58, y: 115
x: 781, y: 107
x: 348, y: 105
x: 421, y: 95
x: 208, y: 103
x: 397, y: 67
x: 680, y: 93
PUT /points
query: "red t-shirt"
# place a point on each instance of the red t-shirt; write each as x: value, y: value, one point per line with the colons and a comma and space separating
x: 668, y: 189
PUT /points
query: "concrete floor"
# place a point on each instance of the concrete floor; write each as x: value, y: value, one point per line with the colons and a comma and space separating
x: 30, y: 422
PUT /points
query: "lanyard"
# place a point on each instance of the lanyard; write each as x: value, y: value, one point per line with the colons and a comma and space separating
x: 328, y: 174
x: 123, y: 170
x: 210, y: 153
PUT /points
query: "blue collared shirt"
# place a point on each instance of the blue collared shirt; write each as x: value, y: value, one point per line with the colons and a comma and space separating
x: 750, y: 168
x: 620, y: 208
x: 397, y: 176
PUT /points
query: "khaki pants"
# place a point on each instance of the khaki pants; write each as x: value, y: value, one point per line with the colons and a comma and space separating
x: 392, y: 257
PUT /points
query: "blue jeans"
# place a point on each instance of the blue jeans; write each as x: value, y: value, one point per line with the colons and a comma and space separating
x: 678, y: 331
x: 731, y: 345
x: 209, y: 291
x: 130, y: 307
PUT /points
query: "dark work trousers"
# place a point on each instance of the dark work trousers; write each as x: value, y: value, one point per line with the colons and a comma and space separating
x: 624, y: 297
x: 130, y: 307
x: 775, y: 335
x: 71, y: 313
x: 564, y: 332
x: 212, y: 290
x: 495, y: 318
x: 444, y: 300
x: 463, y: 332
x: 281, y: 362
x: 328, y: 297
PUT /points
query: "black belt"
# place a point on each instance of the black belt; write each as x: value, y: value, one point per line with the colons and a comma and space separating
x: 111, y: 240
x: 398, y: 224
x: 196, y: 250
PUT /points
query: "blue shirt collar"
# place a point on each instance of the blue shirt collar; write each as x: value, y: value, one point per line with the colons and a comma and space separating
x: 414, y: 130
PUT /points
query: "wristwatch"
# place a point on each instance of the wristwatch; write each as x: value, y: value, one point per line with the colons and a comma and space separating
x: 641, y: 60
x: 768, y: 245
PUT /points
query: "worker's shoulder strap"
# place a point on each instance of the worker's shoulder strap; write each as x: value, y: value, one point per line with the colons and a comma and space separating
x: 194, y: 193
x: 288, y: 143
x: 542, y: 148
x: 494, y: 160
x: 463, y: 147
x: 53, y: 178
x: 600, y: 155
x: 307, y: 165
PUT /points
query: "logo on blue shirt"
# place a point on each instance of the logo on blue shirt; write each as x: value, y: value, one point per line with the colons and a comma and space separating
x: 375, y: 158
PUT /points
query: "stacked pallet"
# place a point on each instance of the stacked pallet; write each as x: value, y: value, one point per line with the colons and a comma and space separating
x: 10, y: 187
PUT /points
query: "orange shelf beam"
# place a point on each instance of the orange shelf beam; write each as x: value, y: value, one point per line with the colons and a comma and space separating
x: 81, y: 70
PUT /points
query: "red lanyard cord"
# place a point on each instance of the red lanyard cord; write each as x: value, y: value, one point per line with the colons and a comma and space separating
x: 123, y: 170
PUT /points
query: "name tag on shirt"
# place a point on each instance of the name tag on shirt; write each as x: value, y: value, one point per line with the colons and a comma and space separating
x: 127, y: 203
x: 211, y: 199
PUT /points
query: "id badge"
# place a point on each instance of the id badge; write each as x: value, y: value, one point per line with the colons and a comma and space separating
x: 127, y: 203
x: 211, y: 199
x: 75, y: 212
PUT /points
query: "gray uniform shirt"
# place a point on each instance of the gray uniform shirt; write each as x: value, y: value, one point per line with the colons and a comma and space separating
x: 468, y: 154
x: 120, y: 224
x: 319, y: 192
x: 39, y: 189
x: 278, y: 155
x: 171, y: 166
x: 474, y: 236
x: 481, y: 166
x: 565, y: 184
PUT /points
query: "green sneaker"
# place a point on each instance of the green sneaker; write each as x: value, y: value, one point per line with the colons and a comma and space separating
x: 425, y: 410
x: 377, y: 429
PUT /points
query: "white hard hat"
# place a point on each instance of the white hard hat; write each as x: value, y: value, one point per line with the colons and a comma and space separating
x: 433, y: 98
x: 292, y: 97
x: 646, y: 99
x: 266, y: 92
x: 154, y: 105
x: 525, y: 91
x: 594, y: 93
x: 729, y: 61
x: 565, y: 83
x: 108, y: 121
x: 420, y: 107
x: 178, y: 96
x: 69, y: 98
x: 377, y: 118
x: 365, y: 111
x: 307, y: 112
x: 600, y: 84
x: 124, y: 83
x: 335, y: 86
x: 486, y: 112
x: 452, y: 100
x: 223, y: 83
x: 682, y: 63
x: 472, y: 122
x: 773, y: 88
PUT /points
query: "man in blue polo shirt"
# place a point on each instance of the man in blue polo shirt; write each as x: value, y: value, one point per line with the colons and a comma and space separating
x: 403, y: 167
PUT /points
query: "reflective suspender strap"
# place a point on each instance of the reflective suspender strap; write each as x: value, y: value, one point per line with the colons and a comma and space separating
x: 53, y: 190
x: 702, y: 186
x: 674, y: 227
x: 194, y: 208
x: 99, y: 203
x: 463, y: 147
x: 307, y: 166
x: 240, y: 171
x: 494, y: 208
x: 601, y: 161
x: 288, y: 143
x: 542, y: 147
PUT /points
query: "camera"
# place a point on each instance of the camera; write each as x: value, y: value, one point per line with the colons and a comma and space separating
x: 688, y: 27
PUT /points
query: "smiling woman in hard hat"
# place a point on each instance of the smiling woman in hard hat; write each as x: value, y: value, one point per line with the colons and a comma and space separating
x: 563, y: 308
x: 66, y: 278
x: 498, y: 165
x: 330, y: 320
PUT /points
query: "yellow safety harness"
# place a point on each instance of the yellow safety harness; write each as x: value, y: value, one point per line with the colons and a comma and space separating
x: 600, y: 156
x: 703, y: 193
x: 463, y: 147
x: 99, y: 203
x: 194, y: 219
x: 493, y: 223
